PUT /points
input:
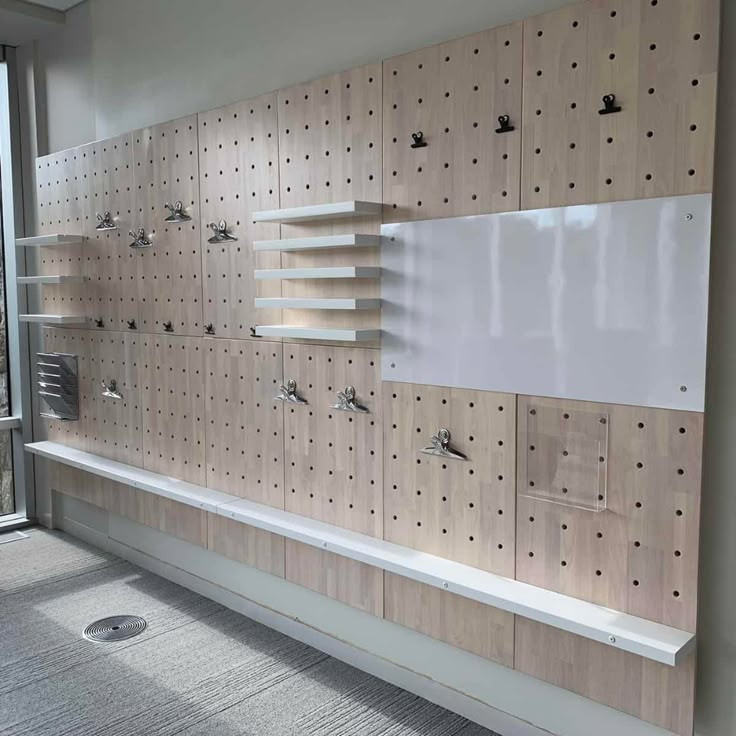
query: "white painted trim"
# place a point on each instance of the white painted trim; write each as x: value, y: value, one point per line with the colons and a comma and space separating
x: 307, y: 303
x: 620, y: 630
x: 54, y: 319
x: 44, y: 240
x: 330, y: 272
x: 348, y: 240
x: 10, y: 423
x: 352, y: 208
x: 52, y: 279
x: 317, y: 333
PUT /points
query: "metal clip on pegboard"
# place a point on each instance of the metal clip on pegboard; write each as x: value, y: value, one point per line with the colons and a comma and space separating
x: 58, y: 385
x: 609, y: 105
x: 221, y: 235
x: 346, y: 402
x: 287, y: 393
x: 110, y: 389
x: 139, y: 238
x: 504, y: 124
x: 441, y: 446
x: 105, y: 222
x: 176, y: 212
x: 418, y: 139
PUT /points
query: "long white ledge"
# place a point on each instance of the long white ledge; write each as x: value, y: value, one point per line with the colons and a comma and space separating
x: 328, y: 272
x: 349, y: 240
x: 317, y: 333
x: 351, y: 208
x: 56, y: 239
x: 51, y: 279
x: 54, y: 319
x: 316, y: 303
x: 619, y: 630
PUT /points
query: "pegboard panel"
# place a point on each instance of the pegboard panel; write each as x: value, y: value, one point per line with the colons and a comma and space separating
x: 330, y: 151
x: 77, y: 433
x: 640, y: 555
x: 239, y: 174
x: 165, y: 170
x: 246, y: 544
x: 79, y: 484
x: 460, y: 509
x: 170, y: 517
x: 113, y: 388
x: 643, y: 688
x: 110, y: 265
x: 333, y: 458
x: 353, y: 583
x: 461, y: 622
x: 244, y: 429
x: 660, y: 61
x: 64, y: 185
x: 454, y: 94
x: 173, y: 400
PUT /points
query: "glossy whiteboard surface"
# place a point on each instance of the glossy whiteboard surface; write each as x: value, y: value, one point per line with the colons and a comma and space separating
x: 604, y: 302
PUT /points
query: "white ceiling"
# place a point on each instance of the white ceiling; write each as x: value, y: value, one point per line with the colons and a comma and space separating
x: 22, y: 21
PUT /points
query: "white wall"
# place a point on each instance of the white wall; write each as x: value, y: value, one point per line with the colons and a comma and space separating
x: 122, y: 65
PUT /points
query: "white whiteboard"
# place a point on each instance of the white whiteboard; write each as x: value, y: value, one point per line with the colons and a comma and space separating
x: 602, y: 302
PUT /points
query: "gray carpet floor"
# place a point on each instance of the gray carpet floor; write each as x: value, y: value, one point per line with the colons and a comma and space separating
x: 198, y: 668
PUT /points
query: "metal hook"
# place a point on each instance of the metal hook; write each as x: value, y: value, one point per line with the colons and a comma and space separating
x: 441, y: 446
x: 209, y: 329
x: 346, y: 401
x: 111, y: 389
x: 131, y: 324
x: 609, y: 105
x: 139, y: 238
x: 168, y: 327
x: 176, y: 212
x: 105, y: 222
x: 221, y: 235
x: 288, y: 393
x: 504, y: 124
x: 99, y: 323
x: 418, y: 139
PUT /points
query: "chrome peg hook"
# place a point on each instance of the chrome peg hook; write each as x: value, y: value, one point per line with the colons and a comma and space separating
x: 221, y: 235
x: 110, y: 389
x: 441, y: 446
x: 105, y: 222
x: 287, y: 393
x: 176, y: 212
x: 346, y: 401
x: 139, y: 238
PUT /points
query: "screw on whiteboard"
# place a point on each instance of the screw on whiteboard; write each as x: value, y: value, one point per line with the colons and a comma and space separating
x: 612, y: 639
x: 683, y: 389
x: 689, y: 216
x: 324, y: 545
x: 445, y: 585
x: 393, y: 365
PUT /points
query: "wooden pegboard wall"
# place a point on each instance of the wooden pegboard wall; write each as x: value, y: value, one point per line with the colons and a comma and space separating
x: 110, y: 266
x: 165, y: 169
x: 660, y: 59
x: 239, y: 174
x: 173, y: 401
x: 244, y: 427
x: 454, y: 94
x: 330, y: 151
x: 459, y: 509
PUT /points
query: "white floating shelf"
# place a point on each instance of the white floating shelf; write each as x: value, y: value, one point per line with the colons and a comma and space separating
x: 56, y: 239
x: 352, y: 208
x: 316, y: 333
x: 324, y: 241
x: 306, y: 303
x: 53, y: 279
x: 334, y: 272
x: 613, y: 628
x: 54, y: 319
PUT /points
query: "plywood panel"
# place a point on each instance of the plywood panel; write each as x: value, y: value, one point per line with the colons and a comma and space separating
x: 78, y: 484
x: 462, y: 510
x: 246, y: 544
x: 77, y: 434
x: 165, y: 169
x: 648, y: 690
x: 170, y: 517
x: 451, y: 618
x: 64, y: 188
x: 115, y: 423
x: 245, y: 441
x: 354, y: 583
x: 660, y: 60
x: 453, y: 93
x: 330, y: 151
x: 640, y: 554
x: 239, y: 174
x: 334, y: 458
x: 109, y: 264
x: 173, y: 390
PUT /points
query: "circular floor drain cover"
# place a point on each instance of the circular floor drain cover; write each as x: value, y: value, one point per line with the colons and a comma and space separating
x: 115, y: 628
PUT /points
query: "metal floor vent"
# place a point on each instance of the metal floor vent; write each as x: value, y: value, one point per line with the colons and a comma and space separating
x: 115, y: 628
